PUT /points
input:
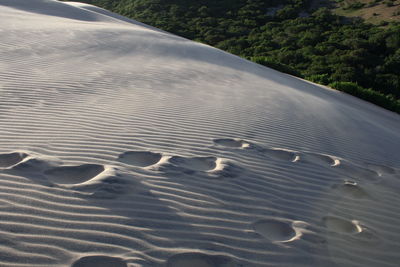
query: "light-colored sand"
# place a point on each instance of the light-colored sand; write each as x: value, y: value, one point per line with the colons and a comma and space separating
x: 121, y: 145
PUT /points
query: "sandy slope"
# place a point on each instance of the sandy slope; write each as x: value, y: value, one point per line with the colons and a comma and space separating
x: 121, y: 145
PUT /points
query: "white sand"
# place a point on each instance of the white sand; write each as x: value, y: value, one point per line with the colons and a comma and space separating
x: 121, y: 145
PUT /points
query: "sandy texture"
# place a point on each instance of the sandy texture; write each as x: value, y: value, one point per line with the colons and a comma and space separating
x: 121, y: 145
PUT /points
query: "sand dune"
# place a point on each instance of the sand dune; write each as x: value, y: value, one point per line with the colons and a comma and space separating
x: 122, y: 145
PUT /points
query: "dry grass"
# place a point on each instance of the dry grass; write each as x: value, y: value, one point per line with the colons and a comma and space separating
x: 371, y: 11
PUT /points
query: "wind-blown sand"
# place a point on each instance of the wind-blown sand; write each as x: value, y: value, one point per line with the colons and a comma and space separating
x: 122, y: 145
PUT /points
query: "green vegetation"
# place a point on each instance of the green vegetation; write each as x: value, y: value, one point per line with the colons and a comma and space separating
x: 287, y: 35
x: 354, y: 5
x: 387, y: 101
x: 371, y: 11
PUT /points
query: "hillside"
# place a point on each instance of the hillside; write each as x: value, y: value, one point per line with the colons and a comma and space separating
x: 122, y: 145
x: 297, y: 37
x: 373, y: 11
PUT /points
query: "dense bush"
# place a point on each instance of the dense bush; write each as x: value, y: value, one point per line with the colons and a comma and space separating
x: 275, y: 65
x: 386, y: 101
x: 320, y: 78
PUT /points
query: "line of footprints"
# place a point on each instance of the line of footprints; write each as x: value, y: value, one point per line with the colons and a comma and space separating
x: 274, y: 230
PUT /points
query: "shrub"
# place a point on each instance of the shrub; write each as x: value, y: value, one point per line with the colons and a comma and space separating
x: 276, y: 65
x: 320, y: 78
x: 356, y: 5
x: 386, y: 101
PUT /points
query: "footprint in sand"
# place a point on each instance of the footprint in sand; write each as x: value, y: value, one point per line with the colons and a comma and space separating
x: 340, y: 225
x: 357, y: 172
x: 74, y: 174
x: 99, y: 261
x: 275, y: 230
x: 325, y: 160
x: 195, y: 259
x: 140, y: 158
x: 211, y: 167
x: 352, y: 189
x: 353, y: 230
x: 381, y: 168
x: 282, y: 154
x: 11, y: 159
x: 232, y: 143
x: 107, y: 185
x: 33, y: 165
x: 200, y: 164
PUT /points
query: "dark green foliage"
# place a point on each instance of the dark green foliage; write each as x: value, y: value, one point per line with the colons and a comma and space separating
x: 320, y: 78
x: 285, y: 35
x: 276, y: 65
x: 386, y: 101
x: 355, y: 5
